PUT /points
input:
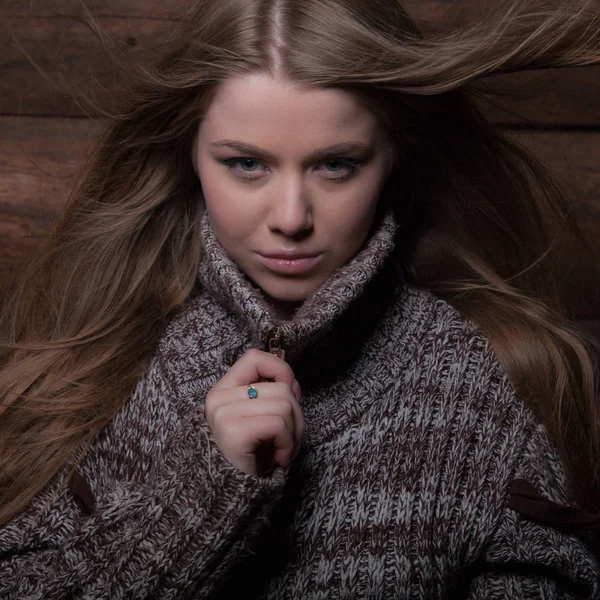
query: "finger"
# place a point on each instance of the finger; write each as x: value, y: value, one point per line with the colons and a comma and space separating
x: 265, y: 390
x: 268, y: 391
x: 254, y: 366
x: 274, y: 407
x: 293, y: 398
x: 268, y: 430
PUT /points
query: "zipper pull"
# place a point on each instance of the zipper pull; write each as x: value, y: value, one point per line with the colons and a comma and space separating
x: 275, y: 345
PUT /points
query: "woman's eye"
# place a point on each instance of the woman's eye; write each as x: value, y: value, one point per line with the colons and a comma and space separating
x: 342, y: 168
x: 334, y: 165
x: 242, y: 165
x: 248, y: 164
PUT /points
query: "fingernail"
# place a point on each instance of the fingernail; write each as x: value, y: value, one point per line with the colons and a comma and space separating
x: 296, y: 389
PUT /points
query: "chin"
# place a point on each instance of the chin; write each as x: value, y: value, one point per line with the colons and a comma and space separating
x: 289, y: 291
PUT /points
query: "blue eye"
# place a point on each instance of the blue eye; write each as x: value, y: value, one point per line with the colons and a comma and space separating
x: 245, y: 167
x: 334, y: 162
x: 245, y: 164
x: 346, y: 166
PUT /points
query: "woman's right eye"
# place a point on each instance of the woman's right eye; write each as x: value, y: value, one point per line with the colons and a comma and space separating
x: 245, y: 166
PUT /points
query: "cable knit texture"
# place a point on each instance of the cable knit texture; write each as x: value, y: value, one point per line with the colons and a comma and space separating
x: 401, y: 488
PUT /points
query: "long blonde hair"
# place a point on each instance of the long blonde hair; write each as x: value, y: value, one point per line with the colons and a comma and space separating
x: 78, y: 332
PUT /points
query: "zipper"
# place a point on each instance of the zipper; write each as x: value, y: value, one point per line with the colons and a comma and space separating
x: 275, y: 347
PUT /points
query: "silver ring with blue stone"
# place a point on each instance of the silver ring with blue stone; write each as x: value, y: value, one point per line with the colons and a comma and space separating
x: 252, y: 392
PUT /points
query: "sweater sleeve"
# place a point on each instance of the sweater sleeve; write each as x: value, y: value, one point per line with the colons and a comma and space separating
x: 173, y: 536
x: 535, y: 556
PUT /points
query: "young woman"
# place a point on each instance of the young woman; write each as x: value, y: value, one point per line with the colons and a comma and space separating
x: 295, y: 336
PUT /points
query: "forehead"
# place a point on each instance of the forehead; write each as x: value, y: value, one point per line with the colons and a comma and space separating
x: 262, y: 110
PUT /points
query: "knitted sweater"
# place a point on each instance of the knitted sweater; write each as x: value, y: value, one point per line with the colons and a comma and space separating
x: 405, y: 485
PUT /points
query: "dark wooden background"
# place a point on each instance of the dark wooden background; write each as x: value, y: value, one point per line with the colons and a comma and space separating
x: 44, y: 134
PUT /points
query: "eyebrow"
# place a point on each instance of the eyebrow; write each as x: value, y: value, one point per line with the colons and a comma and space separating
x: 321, y: 154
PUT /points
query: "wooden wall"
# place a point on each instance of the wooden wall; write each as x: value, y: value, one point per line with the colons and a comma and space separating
x: 44, y: 134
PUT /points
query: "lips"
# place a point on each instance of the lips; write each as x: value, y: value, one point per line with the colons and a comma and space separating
x: 290, y: 263
x: 289, y: 255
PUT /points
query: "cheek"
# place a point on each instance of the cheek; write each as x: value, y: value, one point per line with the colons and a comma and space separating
x: 229, y: 213
x: 352, y: 218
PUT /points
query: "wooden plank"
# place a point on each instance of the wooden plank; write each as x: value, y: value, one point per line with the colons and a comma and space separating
x: 38, y: 158
x: 432, y: 15
x: 141, y: 9
x: 67, y: 51
x: 574, y: 157
x: 554, y: 97
x: 70, y: 56
x: 38, y: 161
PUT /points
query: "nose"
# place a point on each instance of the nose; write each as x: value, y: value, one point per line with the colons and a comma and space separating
x: 291, y: 208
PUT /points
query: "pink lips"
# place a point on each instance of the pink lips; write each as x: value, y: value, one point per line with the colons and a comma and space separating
x: 290, y: 263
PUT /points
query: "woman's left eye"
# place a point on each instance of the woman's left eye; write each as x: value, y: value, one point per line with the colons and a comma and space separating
x: 337, y: 169
x: 342, y: 168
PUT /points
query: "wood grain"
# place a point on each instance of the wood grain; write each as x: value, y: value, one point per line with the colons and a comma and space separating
x: 161, y: 9
x: 432, y: 15
x: 552, y: 97
x: 574, y: 158
x: 72, y: 58
x: 69, y: 62
x: 39, y: 158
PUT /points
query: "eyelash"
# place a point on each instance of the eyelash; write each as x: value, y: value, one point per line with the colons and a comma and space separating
x: 352, y: 164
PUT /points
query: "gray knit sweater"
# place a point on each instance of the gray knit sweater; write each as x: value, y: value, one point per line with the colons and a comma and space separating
x: 406, y: 486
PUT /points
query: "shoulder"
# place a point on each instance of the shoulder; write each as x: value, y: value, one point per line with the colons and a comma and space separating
x: 489, y: 433
x: 436, y: 334
x: 443, y: 320
x: 454, y: 372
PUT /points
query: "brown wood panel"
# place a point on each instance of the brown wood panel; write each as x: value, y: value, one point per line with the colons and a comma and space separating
x: 554, y: 97
x: 38, y: 158
x: 162, y: 9
x: 432, y: 15
x: 69, y: 55
x: 69, y: 52
x: 38, y: 161
x: 574, y: 157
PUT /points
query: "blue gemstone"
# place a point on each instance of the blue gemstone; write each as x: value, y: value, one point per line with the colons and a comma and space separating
x: 252, y: 393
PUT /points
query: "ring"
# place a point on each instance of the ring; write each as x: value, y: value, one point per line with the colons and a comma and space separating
x: 252, y: 392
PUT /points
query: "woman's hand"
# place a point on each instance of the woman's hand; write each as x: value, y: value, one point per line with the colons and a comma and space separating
x: 256, y: 434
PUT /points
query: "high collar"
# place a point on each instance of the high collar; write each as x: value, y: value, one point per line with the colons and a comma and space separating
x: 220, y: 277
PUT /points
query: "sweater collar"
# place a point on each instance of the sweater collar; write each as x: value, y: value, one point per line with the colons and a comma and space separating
x: 220, y: 277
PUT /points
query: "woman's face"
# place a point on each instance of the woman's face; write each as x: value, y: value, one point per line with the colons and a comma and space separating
x: 291, y: 179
